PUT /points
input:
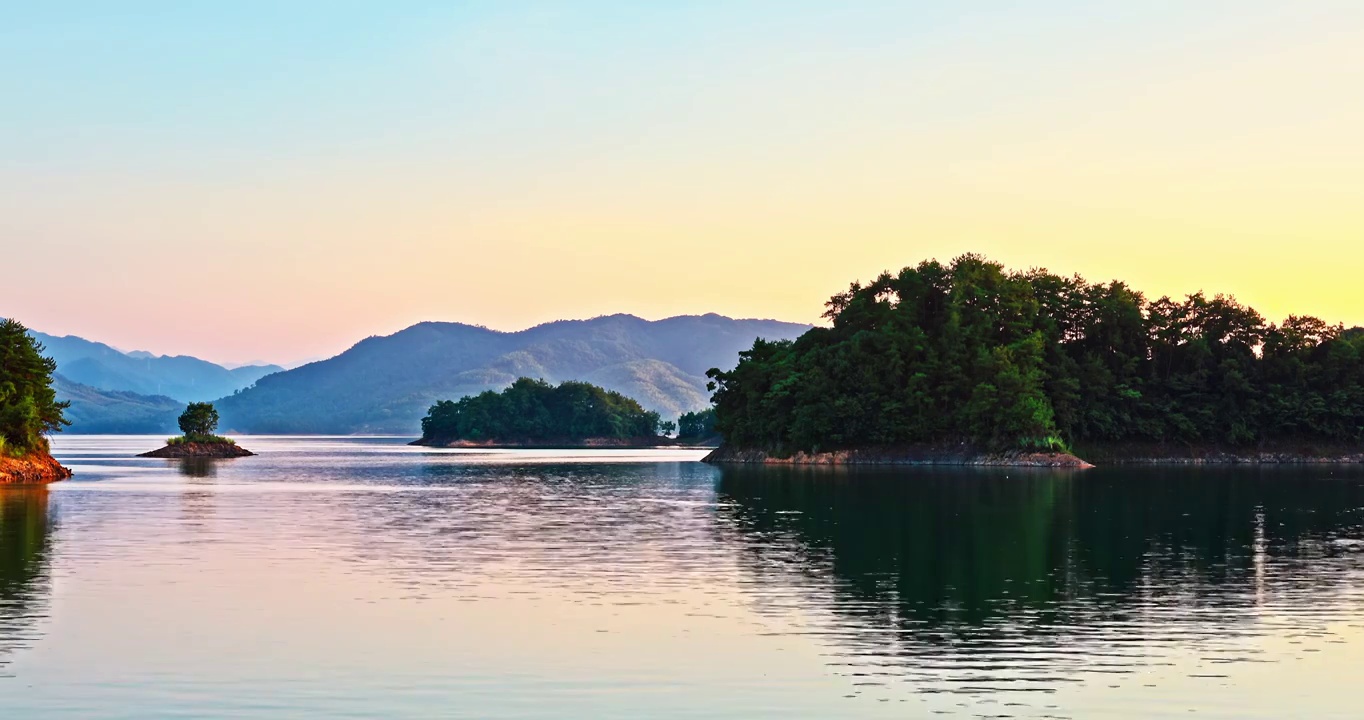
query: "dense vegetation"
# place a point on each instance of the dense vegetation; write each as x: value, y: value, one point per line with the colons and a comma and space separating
x: 968, y: 352
x: 28, y: 404
x: 198, y: 423
x: 698, y: 425
x: 535, y: 411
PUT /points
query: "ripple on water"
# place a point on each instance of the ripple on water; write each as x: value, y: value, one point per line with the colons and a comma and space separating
x: 361, y: 576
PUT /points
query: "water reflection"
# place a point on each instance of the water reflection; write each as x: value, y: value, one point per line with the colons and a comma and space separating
x: 24, y: 581
x: 978, y: 581
x: 197, y: 467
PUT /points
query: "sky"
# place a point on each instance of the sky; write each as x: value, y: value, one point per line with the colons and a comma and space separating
x: 275, y: 181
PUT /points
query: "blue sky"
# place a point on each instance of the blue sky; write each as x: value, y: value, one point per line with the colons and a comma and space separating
x: 334, y: 170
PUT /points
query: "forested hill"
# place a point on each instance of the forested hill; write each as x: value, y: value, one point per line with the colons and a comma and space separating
x: 387, y: 384
x: 970, y: 353
x: 181, y: 377
x: 111, y: 391
x: 533, y: 412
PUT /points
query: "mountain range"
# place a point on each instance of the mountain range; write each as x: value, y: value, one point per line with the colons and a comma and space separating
x: 385, y: 384
x: 184, y: 378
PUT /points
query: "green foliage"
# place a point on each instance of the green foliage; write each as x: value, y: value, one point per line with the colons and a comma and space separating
x: 970, y: 353
x: 28, y: 404
x: 696, y: 425
x: 201, y: 439
x: 535, y: 411
x: 199, y: 419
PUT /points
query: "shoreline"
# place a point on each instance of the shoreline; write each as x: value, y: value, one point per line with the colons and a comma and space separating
x: 198, y: 450
x: 906, y: 456
x: 1098, y: 456
x: 32, y: 469
x: 585, y: 444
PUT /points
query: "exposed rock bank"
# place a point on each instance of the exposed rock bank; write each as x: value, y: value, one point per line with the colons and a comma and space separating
x: 32, y: 469
x: 901, y: 456
x: 550, y: 444
x: 199, y: 450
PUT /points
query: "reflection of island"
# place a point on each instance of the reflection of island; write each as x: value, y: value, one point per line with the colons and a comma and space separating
x: 24, y: 580
x: 197, y: 467
x: 1024, y: 578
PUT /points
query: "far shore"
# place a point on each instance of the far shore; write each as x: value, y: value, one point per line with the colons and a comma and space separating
x: 1277, y: 454
x: 561, y: 444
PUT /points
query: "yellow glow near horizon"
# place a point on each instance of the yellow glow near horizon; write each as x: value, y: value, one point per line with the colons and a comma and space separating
x: 497, y: 171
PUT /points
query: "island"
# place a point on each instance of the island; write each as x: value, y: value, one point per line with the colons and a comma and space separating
x: 966, y: 363
x: 535, y: 414
x: 29, y: 409
x: 198, y: 423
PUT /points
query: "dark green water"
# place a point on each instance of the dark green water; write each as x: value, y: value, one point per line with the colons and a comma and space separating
x: 363, y: 578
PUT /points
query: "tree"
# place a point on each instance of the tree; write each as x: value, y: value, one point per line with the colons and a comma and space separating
x: 199, y: 420
x: 968, y: 352
x: 667, y: 427
x: 28, y: 403
x: 696, y: 425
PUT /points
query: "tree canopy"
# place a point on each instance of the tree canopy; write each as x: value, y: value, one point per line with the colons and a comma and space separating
x: 696, y: 425
x: 535, y: 411
x: 200, y: 419
x: 969, y: 352
x: 28, y: 404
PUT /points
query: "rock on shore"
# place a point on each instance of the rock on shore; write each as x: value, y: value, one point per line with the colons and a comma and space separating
x: 901, y: 456
x: 31, y: 469
x: 199, y: 450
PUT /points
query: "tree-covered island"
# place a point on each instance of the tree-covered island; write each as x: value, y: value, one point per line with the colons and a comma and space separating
x: 967, y: 362
x: 29, y: 409
x: 534, y: 413
x: 199, y: 422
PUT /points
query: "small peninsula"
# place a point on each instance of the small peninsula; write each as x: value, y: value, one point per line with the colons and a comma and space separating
x: 535, y: 414
x: 198, y: 423
x: 966, y: 363
x: 29, y: 409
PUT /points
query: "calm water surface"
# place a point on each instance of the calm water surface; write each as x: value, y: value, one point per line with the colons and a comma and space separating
x: 363, y: 578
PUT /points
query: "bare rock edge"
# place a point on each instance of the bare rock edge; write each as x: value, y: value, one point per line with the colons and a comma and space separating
x: 199, y: 450
x: 32, y: 469
x: 900, y: 456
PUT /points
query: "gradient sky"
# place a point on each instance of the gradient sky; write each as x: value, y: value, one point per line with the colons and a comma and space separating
x: 243, y: 180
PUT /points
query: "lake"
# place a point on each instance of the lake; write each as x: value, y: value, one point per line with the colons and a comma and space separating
x: 359, y: 577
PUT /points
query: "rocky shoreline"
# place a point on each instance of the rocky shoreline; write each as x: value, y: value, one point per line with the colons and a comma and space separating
x: 1101, y: 456
x: 586, y: 443
x: 901, y: 456
x: 32, y: 469
x: 199, y: 450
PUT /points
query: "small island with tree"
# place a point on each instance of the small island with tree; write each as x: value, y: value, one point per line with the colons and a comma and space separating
x: 968, y: 363
x: 198, y: 423
x: 535, y: 414
x: 29, y: 409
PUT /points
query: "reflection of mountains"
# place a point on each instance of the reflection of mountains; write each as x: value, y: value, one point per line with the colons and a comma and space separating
x: 987, y: 577
x: 24, y: 581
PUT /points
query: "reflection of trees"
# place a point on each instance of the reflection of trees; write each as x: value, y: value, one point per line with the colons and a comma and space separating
x: 24, y: 581
x: 197, y: 467
x: 1090, y: 571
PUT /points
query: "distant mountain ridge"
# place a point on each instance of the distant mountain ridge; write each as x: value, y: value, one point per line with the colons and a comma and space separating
x: 385, y: 384
x: 184, y: 378
x: 111, y: 391
x: 100, y: 412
